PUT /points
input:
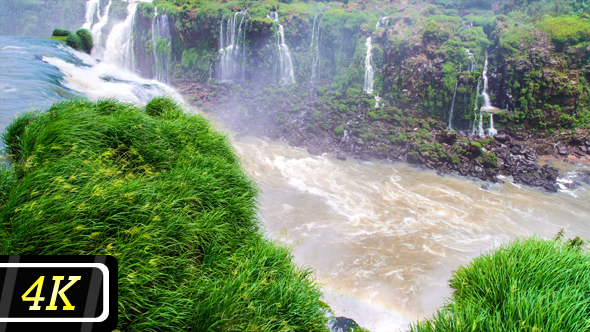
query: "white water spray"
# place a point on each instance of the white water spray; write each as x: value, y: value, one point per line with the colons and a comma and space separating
x: 119, y: 48
x: 369, y: 75
x: 487, y: 106
x: 314, y: 48
x: 91, y: 9
x: 162, y: 47
x: 286, y: 73
x: 472, y: 67
x: 232, y: 49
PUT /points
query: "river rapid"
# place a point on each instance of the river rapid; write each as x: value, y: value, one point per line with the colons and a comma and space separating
x: 382, y: 239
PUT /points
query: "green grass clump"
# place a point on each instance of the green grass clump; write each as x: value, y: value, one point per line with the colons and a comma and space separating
x: 60, y: 33
x: 168, y: 198
x: 525, y: 285
x: 160, y: 105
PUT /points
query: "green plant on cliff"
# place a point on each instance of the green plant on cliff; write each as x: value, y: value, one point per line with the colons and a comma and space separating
x: 528, y: 284
x: 86, y: 40
x: 166, y: 196
x: 566, y: 29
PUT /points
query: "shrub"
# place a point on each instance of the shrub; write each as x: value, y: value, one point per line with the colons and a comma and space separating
x: 527, y: 284
x: 86, y: 39
x: 60, y: 33
x: 74, y: 42
x: 339, y: 130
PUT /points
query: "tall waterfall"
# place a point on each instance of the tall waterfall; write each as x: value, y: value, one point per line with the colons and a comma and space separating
x: 91, y: 9
x: 286, y: 73
x: 96, y: 32
x: 487, y: 105
x: 453, y: 106
x: 314, y: 48
x: 369, y: 75
x: 162, y: 47
x: 119, y: 48
x: 232, y: 49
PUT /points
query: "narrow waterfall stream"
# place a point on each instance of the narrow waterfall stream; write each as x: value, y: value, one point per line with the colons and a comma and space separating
x: 314, y: 48
x: 96, y: 31
x: 162, y: 47
x: 286, y: 73
x: 369, y: 75
x: 91, y: 10
x: 452, y: 107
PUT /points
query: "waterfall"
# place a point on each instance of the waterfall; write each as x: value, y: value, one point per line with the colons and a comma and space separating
x: 91, y: 9
x: 314, y: 48
x: 486, y: 96
x: 162, y: 47
x: 382, y: 23
x: 377, y: 100
x: 119, y: 48
x: 453, y: 106
x: 232, y: 49
x: 472, y: 67
x: 475, y: 108
x: 480, y: 131
x: 286, y: 74
x: 97, y: 31
x: 368, y: 86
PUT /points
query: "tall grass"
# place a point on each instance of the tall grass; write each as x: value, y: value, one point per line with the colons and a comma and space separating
x: 525, y: 285
x: 167, y: 197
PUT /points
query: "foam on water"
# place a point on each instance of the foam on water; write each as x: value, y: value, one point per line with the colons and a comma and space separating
x: 383, y: 239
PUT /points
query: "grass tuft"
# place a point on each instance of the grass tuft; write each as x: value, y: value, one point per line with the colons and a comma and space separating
x: 168, y: 198
x: 527, y: 284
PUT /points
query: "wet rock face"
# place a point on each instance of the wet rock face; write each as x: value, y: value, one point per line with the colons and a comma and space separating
x: 342, y: 324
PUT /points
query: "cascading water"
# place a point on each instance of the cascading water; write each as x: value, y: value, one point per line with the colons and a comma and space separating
x: 382, y: 23
x: 475, y: 108
x: 96, y: 32
x: 91, y: 10
x: 369, y: 75
x: 314, y: 48
x: 452, y: 107
x: 487, y: 105
x: 162, y: 47
x: 286, y: 73
x: 232, y: 49
x: 119, y: 48
x: 472, y: 67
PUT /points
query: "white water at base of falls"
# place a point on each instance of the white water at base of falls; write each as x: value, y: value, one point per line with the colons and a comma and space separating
x: 369, y: 75
x: 377, y: 100
x: 452, y: 107
x: 91, y: 9
x: 162, y: 47
x: 119, y: 48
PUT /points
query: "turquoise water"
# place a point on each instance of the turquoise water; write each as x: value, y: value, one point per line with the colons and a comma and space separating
x: 26, y: 81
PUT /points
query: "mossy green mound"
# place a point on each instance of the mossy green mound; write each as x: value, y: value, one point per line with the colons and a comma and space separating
x: 168, y: 198
x: 526, y: 285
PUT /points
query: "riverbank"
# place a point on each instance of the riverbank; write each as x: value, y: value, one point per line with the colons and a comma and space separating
x: 354, y: 125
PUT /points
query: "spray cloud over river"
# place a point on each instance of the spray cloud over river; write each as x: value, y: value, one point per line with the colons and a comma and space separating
x: 382, y: 239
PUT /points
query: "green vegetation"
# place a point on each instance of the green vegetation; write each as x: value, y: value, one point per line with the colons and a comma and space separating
x: 60, y: 33
x: 86, y: 40
x: 566, y: 29
x: 166, y: 196
x: 525, y: 285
